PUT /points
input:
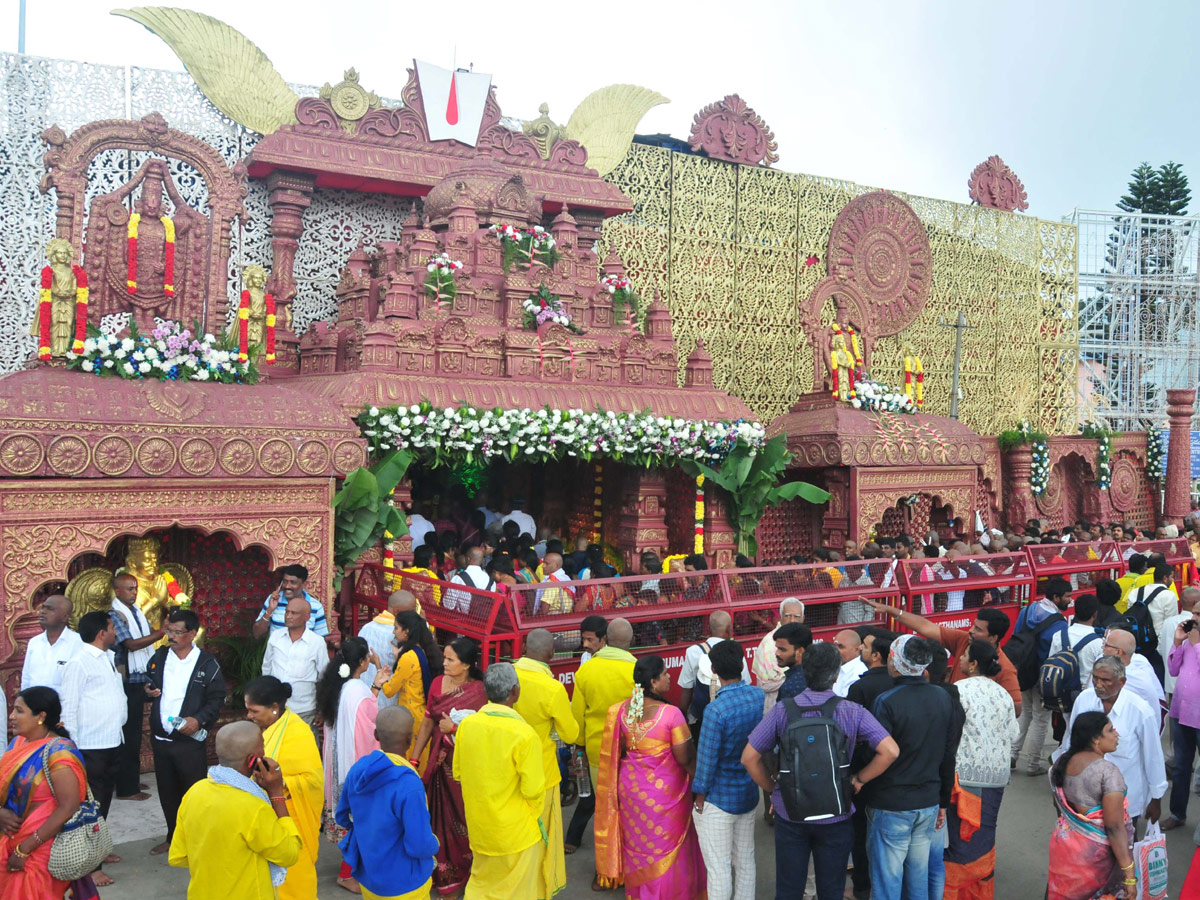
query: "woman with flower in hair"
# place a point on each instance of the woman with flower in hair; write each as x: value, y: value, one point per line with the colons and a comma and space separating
x: 646, y: 761
x: 349, y: 708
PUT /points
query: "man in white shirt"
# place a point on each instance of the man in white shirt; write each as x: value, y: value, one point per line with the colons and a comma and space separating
x: 950, y: 570
x: 696, y: 674
x: 1160, y: 600
x: 379, y: 635
x: 1139, y: 674
x: 94, y: 709
x: 523, y: 519
x: 297, y: 656
x: 1166, y: 634
x: 849, y: 646
x: 1082, y: 634
x: 48, y: 653
x: 135, y: 647
x: 418, y: 527
x: 472, y: 576
x: 1139, y: 755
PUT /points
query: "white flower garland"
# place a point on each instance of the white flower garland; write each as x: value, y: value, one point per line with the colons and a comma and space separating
x: 1039, y: 475
x: 872, y: 395
x: 1156, y: 451
x: 447, y: 435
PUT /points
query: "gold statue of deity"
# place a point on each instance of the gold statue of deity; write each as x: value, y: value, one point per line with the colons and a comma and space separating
x: 255, y: 279
x: 841, y: 365
x: 63, y: 293
x: 160, y: 585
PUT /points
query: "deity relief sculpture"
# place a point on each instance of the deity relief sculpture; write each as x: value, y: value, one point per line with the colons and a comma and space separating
x: 841, y: 369
x: 994, y: 184
x: 842, y: 335
x: 159, y: 584
x: 60, y: 323
x: 146, y: 262
x: 732, y: 131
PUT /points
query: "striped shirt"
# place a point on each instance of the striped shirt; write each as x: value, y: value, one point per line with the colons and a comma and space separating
x: 125, y: 633
x: 93, y: 702
x: 316, y: 622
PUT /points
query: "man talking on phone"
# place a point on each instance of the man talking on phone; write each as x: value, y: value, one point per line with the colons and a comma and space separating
x: 234, y: 834
x: 291, y: 586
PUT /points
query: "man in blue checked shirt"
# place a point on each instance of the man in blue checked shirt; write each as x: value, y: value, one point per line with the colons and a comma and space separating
x: 726, y: 797
x: 291, y: 585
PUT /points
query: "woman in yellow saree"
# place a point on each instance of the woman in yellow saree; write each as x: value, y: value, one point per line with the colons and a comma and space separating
x: 414, y: 672
x: 644, y: 832
x: 289, y: 741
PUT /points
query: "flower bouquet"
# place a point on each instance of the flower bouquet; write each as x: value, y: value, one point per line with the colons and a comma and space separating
x: 527, y: 247
x: 1155, y: 452
x: 871, y: 395
x: 169, y: 353
x: 545, y: 307
x: 439, y: 283
x: 625, y: 302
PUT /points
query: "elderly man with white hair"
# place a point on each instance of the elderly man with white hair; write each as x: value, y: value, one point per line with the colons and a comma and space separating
x: 765, y: 667
x: 1139, y: 755
x: 1139, y: 674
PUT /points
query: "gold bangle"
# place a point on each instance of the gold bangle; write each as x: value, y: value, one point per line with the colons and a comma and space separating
x: 1129, y: 881
x: 19, y: 853
x: 1130, y: 866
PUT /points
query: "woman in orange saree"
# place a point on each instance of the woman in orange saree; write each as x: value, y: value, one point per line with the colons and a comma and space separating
x: 31, y: 818
x: 645, y: 838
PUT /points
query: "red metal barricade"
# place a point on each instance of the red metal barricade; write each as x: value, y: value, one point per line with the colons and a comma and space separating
x: 1097, y: 559
x: 1177, y: 552
x: 948, y: 591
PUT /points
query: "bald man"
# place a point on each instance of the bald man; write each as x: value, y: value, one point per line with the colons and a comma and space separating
x: 849, y: 647
x: 1139, y: 674
x: 552, y: 600
x: 473, y: 576
x: 233, y: 834
x: 378, y: 635
x: 603, y: 680
x: 697, y: 685
x: 48, y: 653
x: 297, y: 655
x: 389, y: 844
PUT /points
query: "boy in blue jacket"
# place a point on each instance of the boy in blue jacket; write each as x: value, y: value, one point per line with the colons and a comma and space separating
x: 389, y: 845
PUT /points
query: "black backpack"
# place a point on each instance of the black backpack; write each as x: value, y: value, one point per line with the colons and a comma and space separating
x: 1137, y: 617
x: 814, y: 763
x: 1060, y: 682
x: 1022, y: 650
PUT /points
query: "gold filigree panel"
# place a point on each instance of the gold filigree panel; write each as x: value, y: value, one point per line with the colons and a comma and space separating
x: 735, y: 250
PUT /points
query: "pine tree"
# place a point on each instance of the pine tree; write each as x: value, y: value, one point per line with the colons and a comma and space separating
x: 1142, y: 190
x: 1171, y: 194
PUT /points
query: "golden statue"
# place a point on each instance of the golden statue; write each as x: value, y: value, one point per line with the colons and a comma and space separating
x: 841, y: 365
x: 159, y: 585
x: 63, y: 287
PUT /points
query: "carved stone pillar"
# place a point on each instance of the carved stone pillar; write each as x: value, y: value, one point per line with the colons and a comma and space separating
x: 1177, y: 489
x: 836, y: 523
x: 720, y: 542
x: 643, y: 522
x: 1018, y: 464
x: 289, y: 195
x: 402, y: 548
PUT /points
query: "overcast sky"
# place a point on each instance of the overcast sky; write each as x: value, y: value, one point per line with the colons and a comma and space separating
x: 902, y: 95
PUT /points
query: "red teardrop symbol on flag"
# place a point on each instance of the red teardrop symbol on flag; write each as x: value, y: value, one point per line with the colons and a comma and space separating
x: 452, y: 103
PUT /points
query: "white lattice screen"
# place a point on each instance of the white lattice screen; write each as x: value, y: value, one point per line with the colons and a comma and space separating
x: 36, y: 93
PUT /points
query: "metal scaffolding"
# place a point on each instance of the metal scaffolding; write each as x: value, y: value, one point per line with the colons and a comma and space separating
x: 1139, y: 323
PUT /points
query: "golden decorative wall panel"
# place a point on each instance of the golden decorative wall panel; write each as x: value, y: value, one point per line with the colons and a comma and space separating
x: 730, y: 248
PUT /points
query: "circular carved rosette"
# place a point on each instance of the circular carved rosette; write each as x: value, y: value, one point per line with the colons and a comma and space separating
x: 237, y: 456
x: 21, y: 454
x: 68, y: 456
x: 197, y: 456
x: 313, y: 458
x: 113, y: 455
x: 276, y: 456
x: 1125, y: 481
x: 156, y: 456
x: 879, y: 243
x: 347, y: 455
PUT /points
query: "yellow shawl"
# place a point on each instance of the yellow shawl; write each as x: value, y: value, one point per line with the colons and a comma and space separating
x: 290, y: 743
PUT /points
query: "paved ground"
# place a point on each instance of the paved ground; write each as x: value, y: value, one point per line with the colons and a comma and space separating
x: 1026, y: 818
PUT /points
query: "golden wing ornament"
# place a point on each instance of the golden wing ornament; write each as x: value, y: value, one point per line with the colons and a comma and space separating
x: 606, y: 120
x: 227, y: 66
x: 88, y: 591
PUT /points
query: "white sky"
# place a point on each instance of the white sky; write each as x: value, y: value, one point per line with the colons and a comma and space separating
x: 903, y: 95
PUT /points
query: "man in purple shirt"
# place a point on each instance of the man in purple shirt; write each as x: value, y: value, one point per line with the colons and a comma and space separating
x: 828, y: 839
x: 1183, y: 661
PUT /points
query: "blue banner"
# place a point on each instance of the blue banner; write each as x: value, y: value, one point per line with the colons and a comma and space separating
x: 1195, y: 452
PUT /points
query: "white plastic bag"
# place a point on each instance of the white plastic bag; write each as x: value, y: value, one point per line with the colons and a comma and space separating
x: 1150, y: 864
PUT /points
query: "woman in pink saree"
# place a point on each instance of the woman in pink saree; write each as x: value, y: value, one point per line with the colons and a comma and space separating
x: 1091, y: 846
x: 645, y: 838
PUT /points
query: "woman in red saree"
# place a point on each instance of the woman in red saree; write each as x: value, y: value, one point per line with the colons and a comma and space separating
x: 31, y: 817
x: 645, y: 777
x: 1091, y: 846
x: 452, y: 696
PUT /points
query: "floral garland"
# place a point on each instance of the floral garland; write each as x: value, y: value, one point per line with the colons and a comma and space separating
x: 244, y: 328
x: 1156, y: 451
x: 698, y: 540
x: 871, y: 395
x: 624, y: 301
x: 445, y: 435
x: 135, y: 220
x: 528, y: 247
x: 1103, y: 452
x: 545, y: 307
x: 855, y: 346
x: 389, y: 547
x: 174, y: 591
x: 169, y: 353
x: 44, y: 301
x: 914, y: 367
x: 440, y: 283
x: 1039, y: 474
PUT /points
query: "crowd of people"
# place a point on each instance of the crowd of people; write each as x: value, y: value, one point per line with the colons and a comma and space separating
x: 877, y: 751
